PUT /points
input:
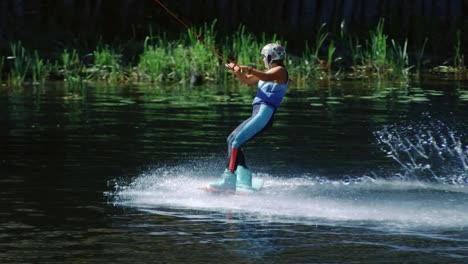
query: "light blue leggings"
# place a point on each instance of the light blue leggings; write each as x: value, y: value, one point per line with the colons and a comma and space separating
x: 261, y: 119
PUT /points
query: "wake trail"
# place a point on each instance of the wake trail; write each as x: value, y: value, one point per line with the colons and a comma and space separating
x: 428, y: 190
x: 362, y: 201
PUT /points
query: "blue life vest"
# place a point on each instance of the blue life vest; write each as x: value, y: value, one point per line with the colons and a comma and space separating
x: 270, y: 93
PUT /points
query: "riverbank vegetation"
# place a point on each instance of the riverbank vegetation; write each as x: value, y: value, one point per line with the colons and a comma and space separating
x: 188, y: 61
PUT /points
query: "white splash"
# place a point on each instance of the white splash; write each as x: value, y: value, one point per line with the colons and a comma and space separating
x: 360, y: 202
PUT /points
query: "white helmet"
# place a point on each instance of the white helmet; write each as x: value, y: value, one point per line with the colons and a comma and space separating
x: 273, y: 52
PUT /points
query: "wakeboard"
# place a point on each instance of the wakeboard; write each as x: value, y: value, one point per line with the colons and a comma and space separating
x: 257, y: 185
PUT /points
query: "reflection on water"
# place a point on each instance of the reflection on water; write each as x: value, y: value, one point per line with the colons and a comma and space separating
x: 99, y: 174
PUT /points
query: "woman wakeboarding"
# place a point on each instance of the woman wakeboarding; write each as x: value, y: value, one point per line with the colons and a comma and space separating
x: 272, y: 85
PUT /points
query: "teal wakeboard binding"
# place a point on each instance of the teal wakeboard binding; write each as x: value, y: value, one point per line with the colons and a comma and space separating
x: 235, y: 180
x: 226, y: 184
x: 244, y: 180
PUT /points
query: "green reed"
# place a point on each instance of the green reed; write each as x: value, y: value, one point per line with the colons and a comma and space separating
x: 72, y: 69
x: 106, y: 66
x: 419, y: 56
x: 307, y: 67
x: 379, y: 45
x: 21, y: 64
x: 377, y: 53
x: 38, y: 69
x: 379, y: 59
x: 246, y: 47
x: 177, y: 61
x: 356, y: 50
x: 458, y: 62
x: 181, y: 69
x: 400, y: 60
x: 150, y: 66
x: 181, y: 60
x: 202, y: 54
x: 331, y: 51
x: 320, y: 38
x: 370, y: 59
x: 358, y: 55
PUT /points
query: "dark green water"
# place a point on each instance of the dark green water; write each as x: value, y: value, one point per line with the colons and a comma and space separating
x: 353, y: 174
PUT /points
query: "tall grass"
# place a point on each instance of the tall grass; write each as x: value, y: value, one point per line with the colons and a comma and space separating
x: 182, y: 70
x: 458, y: 60
x: 313, y: 51
x: 183, y: 59
x: 400, y: 60
x: 107, y: 66
x: 246, y: 47
x: 331, y: 51
x: 377, y: 58
x: 372, y: 59
x: 352, y: 43
x: 38, y: 69
x: 378, y: 49
x: 306, y: 67
x: 72, y: 69
x: 150, y: 67
x: 419, y: 57
x: 202, y: 55
x: 21, y: 64
x: 179, y: 61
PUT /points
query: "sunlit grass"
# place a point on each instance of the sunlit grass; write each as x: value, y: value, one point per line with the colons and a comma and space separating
x: 400, y: 61
x: 420, y: 56
x: 150, y: 67
x: 246, y: 47
x: 202, y: 55
x: 20, y: 65
x: 378, y: 50
x: 38, y: 69
x: 199, y: 55
x: 309, y: 65
x: 106, y: 67
x: 71, y: 68
x: 185, y: 59
x: 182, y: 69
x: 331, y: 51
x: 380, y: 57
x: 458, y: 59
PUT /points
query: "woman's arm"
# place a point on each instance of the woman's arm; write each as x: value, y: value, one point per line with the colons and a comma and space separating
x: 277, y: 74
x: 240, y: 73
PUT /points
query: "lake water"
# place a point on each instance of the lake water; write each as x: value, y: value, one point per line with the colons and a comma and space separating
x: 354, y: 172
